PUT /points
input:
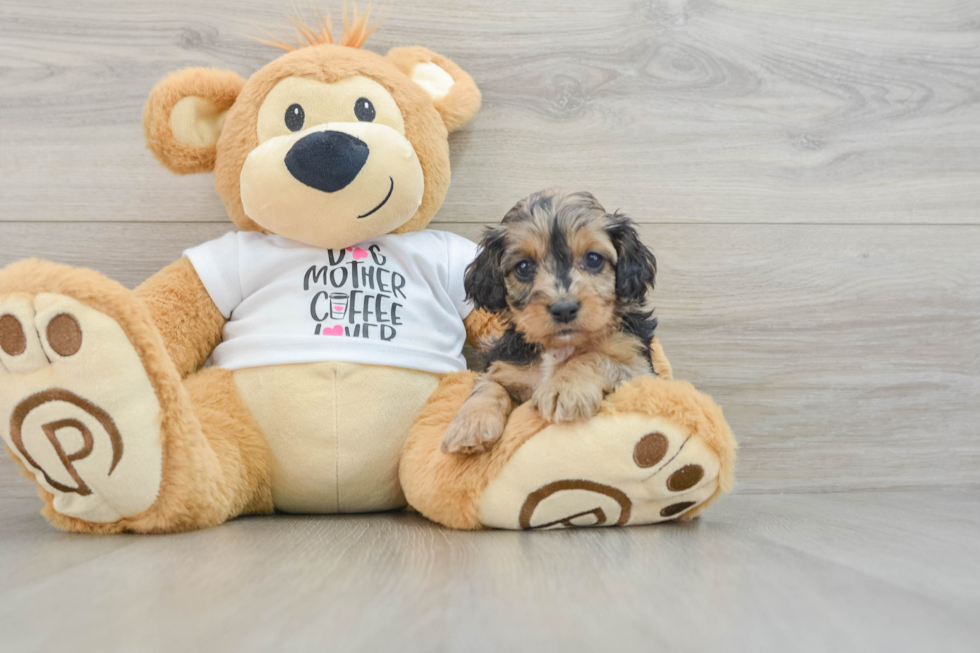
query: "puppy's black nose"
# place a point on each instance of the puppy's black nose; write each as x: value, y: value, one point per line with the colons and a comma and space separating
x: 327, y: 161
x: 564, y: 312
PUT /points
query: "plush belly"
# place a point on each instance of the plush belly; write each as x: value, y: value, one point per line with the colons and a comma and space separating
x: 335, y: 431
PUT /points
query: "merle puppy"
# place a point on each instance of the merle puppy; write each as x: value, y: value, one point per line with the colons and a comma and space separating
x: 570, y: 282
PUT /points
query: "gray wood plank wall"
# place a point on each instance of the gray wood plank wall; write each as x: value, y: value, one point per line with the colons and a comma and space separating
x: 808, y: 174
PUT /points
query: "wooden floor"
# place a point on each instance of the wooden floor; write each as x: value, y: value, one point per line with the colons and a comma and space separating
x: 865, y: 571
x: 808, y: 174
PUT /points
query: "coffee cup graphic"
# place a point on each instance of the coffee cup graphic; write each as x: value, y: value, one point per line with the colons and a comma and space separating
x: 338, y: 305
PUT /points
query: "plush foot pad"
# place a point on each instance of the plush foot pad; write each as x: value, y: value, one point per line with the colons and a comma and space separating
x: 614, y: 470
x: 77, y: 408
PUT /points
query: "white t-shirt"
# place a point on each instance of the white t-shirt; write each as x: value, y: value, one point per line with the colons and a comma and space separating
x: 396, y: 300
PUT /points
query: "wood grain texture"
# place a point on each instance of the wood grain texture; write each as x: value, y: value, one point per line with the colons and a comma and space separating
x: 844, y: 356
x: 701, y: 111
x: 875, y: 571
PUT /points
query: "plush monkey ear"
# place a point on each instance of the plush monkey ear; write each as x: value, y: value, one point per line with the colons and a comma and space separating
x: 454, y: 93
x: 184, y: 116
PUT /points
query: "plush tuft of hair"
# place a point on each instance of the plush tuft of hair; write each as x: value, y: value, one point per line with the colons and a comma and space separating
x: 357, y: 29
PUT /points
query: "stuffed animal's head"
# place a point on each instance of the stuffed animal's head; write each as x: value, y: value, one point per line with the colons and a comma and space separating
x: 329, y: 144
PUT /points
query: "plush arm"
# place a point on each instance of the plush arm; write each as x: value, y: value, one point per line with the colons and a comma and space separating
x: 661, y: 366
x: 481, y: 326
x: 188, y: 320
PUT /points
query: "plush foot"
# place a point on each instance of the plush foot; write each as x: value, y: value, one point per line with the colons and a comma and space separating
x: 664, y: 459
x: 77, y: 407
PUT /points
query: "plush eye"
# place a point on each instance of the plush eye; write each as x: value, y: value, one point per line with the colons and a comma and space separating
x: 364, y: 110
x: 295, y: 117
x: 524, y: 270
x: 594, y: 261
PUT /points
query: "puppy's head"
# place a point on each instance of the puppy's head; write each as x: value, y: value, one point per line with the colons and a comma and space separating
x: 561, y: 268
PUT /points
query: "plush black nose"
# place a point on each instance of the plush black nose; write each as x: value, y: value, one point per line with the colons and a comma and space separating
x: 327, y: 161
x: 564, y: 312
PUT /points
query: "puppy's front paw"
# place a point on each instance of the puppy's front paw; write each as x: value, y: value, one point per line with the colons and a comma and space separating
x: 561, y: 400
x: 473, y: 431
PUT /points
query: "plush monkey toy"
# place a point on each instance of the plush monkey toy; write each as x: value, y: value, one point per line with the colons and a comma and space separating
x: 334, y: 321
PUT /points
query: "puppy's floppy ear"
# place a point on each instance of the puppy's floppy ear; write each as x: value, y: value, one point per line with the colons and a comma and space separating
x: 484, y: 280
x: 454, y: 93
x: 636, y: 269
x: 184, y: 116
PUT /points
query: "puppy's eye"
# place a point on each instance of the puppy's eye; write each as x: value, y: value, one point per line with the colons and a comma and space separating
x: 295, y: 117
x: 364, y: 110
x: 524, y: 270
x: 594, y: 261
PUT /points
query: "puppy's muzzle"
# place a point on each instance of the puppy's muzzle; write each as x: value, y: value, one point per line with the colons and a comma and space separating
x: 328, y: 160
x: 564, y: 312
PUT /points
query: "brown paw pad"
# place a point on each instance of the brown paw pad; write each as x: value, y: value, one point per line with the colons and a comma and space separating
x: 64, y: 334
x: 12, y: 338
x: 650, y: 450
x: 676, y: 508
x: 685, y: 478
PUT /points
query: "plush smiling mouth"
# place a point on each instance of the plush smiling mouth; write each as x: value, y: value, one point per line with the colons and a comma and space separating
x: 383, y: 202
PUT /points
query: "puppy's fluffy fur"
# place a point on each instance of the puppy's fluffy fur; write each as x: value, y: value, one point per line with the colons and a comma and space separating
x: 570, y: 281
